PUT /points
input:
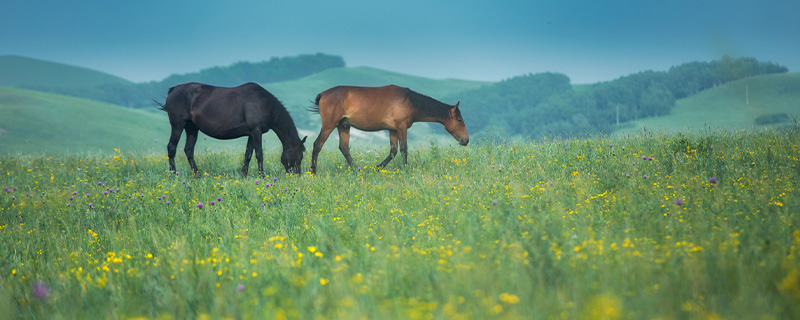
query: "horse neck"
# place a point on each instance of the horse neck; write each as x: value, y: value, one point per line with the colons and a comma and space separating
x: 420, y: 116
x: 286, y: 132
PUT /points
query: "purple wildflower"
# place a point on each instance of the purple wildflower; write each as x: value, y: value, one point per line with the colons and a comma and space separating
x: 644, y: 157
x: 257, y: 181
x: 713, y: 180
x: 71, y: 198
x: 87, y: 195
x: 168, y: 202
x: 494, y: 202
x: 266, y: 185
x: 678, y: 202
x: 74, y: 192
x: 275, y: 179
x: 219, y: 199
x: 212, y: 203
x: 90, y: 204
x: 200, y: 205
x: 240, y: 287
x: 40, y: 290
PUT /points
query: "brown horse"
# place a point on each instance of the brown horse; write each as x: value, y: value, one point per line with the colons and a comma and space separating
x: 229, y: 113
x: 390, y: 108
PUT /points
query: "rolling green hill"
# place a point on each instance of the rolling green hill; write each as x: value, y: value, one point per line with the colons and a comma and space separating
x: 16, y: 71
x: 732, y: 106
x: 36, y: 122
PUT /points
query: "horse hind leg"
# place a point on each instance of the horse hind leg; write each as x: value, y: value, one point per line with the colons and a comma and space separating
x: 248, y: 153
x: 256, y: 137
x: 172, y: 146
x: 392, y: 150
x: 191, y: 139
x: 344, y: 142
x: 323, y: 135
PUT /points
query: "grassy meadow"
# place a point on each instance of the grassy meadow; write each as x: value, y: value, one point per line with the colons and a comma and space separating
x: 656, y: 226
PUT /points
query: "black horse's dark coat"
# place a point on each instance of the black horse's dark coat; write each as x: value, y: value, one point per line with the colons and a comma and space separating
x: 228, y: 113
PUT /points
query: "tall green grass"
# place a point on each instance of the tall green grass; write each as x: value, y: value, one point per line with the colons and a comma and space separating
x: 558, y: 228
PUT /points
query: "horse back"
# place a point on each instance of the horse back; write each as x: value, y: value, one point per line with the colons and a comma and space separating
x: 366, y: 108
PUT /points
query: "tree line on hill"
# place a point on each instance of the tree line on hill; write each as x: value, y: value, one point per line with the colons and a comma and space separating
x: 140, y: 95
x: 535, y: 104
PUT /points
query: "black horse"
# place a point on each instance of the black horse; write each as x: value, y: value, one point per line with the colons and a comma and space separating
x: 228, y: 113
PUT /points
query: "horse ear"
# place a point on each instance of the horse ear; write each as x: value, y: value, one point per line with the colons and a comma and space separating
x: 456, y: 106
x: 304, y: 139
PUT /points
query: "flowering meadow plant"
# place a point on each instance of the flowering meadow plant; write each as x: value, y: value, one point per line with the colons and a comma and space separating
x: 551, y: 229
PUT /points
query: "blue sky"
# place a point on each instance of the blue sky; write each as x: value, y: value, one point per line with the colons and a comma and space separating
x: 589, y: 41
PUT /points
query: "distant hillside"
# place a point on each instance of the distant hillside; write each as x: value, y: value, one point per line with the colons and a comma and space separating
x: 735, y: 105
x: 298, y: 93
x: 36, y: 122
x: 538, y: 104
x: 16, y: 71
x: 274, y: 70
x: 58, y: 78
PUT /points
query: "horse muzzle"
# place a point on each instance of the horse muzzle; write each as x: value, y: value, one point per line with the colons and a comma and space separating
x: 463, y: 141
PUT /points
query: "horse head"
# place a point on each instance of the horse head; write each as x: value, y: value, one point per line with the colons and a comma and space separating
x: 292, y: 157
x: 455, y: 125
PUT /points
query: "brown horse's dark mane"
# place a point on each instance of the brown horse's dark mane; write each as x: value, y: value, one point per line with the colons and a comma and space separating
x: 427, y: 105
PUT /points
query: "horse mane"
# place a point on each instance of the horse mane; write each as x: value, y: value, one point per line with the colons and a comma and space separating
x: 283, y: 119
x: 427, y: 105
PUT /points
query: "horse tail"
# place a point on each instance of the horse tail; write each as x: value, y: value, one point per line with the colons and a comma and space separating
x: 315, y: 108
x: 159, y: 105
x: 162, y: 106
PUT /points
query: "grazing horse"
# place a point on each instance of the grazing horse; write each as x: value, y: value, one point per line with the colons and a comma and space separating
x: 390, y: 108
x: 228, y: 113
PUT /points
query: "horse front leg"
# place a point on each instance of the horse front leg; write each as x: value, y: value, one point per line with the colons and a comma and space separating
x: 191, y: 139
x: 392, y: 150
x: 172, y: 146
x: 248, y: 153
